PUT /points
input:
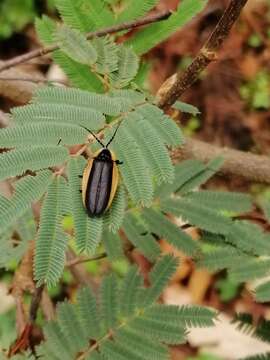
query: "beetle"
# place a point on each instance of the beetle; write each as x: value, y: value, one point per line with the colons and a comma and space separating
x: 100, y: 179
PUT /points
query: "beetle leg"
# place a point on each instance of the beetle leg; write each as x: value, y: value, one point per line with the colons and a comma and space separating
x: 80, y: 191
x: 118, y: 162
x: 59, y: 141
x: 80, y: 176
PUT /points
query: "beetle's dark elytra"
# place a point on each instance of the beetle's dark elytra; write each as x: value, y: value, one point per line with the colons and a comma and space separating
x: 99, y: 184
x: 100, y: 178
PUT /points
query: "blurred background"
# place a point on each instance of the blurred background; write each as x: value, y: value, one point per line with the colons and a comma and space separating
x: 232, y: 96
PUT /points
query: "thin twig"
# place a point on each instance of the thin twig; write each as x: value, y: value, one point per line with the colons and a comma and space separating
x: 251, y: 167
x: 36, y: 299
x: 77, y: 261
x: 171, y: 91
x: 32, y: 80
x: 109, y: 30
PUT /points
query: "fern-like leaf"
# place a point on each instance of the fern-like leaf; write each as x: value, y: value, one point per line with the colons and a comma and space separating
x: 114, y: 216
x: 127, y: 67
x: 159, y: 277
x: 201, y: 176
x: 51, y: 241
x: 262, y: 292
x: 134, y: 173
x: 89, y: 313
x: 127, y: 98
x: 221, y: 200
x: 140, y: 238
x: 152, y: 148
x: 184, y: 171
x: 160, y: 225
x: 42, y: 134
x: 80, y: 75
x: 186, y: 108
x: 57, y: 344
x: 76, y: 97
x: 131, y: 330
x: 71, y: 327
x: 98, y: 13
x: 249, y: 237
x: 153, y: 34
x: 160, y: 329
x: 145, y: 348
x: 198, y: 215
x: 45, y: 27
x: 16, y: 162
x: 73, y: 14
x: 75, y: 45
x: 130, y: 292
x: 133, y: 11
x: 188, y: 316
x: 73, y: 114
x: 221, y: 258
x: 165, y: 127
x: 28, y: 190
x: 107, y: 55
x: 113, y: 245
x: 249, y: 270
x: 109, y: 302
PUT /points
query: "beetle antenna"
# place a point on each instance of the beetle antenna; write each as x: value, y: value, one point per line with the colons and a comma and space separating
x: 100, y: 142
x: 111, y: 139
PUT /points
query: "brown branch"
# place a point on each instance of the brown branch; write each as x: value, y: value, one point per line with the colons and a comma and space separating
x: 79, y: 260
x: 109, y: 30
x: 31, y: 80
x: 170, y: 91
x: 249, y: 166
x: 36, y: 299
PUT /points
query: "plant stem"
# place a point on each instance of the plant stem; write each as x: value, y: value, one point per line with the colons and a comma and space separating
x: 208, y: 53
x: 109, y: 30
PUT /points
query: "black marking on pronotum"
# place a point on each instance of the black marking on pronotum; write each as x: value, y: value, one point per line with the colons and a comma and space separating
x: 100, y: 178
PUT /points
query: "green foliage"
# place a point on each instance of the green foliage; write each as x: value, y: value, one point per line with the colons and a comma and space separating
x: 249, y: 238
x: 262, y: 292
x: 126, y: 324
x: 222, y: 200
x: 158, y: 224
x: 127, y: 67
x: 51, y: 241
x: 186, y: 108
x: 85, y: 15
x: 42, y: 134
x: 75, y: 45
x: 17, y: 162
x: 265, y: 205
x: 259, y: 329
x: 197, y: 214
x: 256, y: 92
x: 115, y: 214
x: 73, y: 14
x: 228, y: 289
x: 153, y: 34
x: 27, y: 190
x: 140, y: 238
x: 107, y: 55
x: 130, y: 12
x: 14, y: 15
